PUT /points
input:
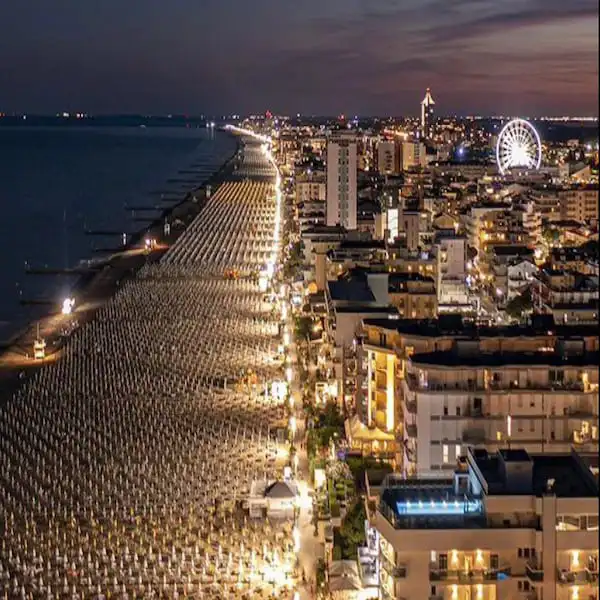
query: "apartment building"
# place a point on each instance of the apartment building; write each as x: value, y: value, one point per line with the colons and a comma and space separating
x: 451, y: 284
x: 478, y: 223
x: 569, y: 296
x: 413, y: 155
x: 388, y: 157
x: 414, y: 295
x: 341, y: 181
x: 579, y: 204
x: 508, y: 525
x: 437, y: 420
x: 311, y: 187
x: 541, y: 401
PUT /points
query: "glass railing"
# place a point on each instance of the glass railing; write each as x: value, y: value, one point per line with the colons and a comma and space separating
x: 470, y: 576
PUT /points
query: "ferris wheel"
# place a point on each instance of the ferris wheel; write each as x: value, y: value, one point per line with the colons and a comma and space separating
x: 519, y: 145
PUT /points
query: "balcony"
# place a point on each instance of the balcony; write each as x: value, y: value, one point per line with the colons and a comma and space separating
x: 581, y: 577
x: 534, y: 571
x: 474, y: 436
x: 468, y: 577
x: 411, y: 430
x: 577, y: 437
x: 471, y: 385
x: 410, y: 406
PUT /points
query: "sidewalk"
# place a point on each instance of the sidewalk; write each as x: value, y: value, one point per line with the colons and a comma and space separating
x: 311, y: 548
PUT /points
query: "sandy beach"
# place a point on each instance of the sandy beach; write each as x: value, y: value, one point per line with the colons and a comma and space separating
x: 94, y: 288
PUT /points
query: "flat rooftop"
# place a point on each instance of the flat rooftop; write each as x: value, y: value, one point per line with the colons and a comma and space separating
x: 568, y: 475
x: 350, y: 291
x: 498, y: 359
x: 453, y: 325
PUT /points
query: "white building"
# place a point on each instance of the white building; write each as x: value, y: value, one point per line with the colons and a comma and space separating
x: 452, y: 292
x: 341, y: 181
x: 509, y: 526
x: 539, y: 401
x: 275, y: 499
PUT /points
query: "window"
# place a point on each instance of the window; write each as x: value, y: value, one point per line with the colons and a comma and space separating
x: 494, y: 562
x: 458, y: 411
x: 443, y: 562
x: 445, y: 458
x: 433, y: 556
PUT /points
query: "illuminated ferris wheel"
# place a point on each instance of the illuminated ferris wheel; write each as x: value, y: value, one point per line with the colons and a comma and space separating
x: 519, y: 145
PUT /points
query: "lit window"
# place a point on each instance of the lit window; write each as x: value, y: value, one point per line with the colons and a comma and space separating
x: 445, y: 458
x: 457, y: 449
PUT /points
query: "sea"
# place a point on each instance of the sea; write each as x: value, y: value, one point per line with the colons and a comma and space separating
x: 60, y: 179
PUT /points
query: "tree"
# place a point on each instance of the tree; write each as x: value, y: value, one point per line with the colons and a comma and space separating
x: 303, y: 328
x: 551, y: 236
x: 520, y: 304
x: 352, y: 531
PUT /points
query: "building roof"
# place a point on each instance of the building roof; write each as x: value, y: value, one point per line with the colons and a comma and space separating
x: 453, y: 325
x: 499, y: 359
x: 392, y: 311
x: 343, y: 576
x: 279, y: 489
x: 511, y: 250
x: 350, y: 290
x: 565, y: 475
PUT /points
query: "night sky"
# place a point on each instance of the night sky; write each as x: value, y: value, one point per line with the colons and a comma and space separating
x: 528, y: 57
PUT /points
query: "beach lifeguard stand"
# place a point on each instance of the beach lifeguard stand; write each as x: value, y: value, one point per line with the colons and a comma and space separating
x: 39, y: 346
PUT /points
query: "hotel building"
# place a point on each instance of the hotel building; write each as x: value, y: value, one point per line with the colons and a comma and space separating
x: 508, y: 525
x: 442, y: 385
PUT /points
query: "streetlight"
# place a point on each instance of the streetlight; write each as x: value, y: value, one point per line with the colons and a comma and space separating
x: 293, y: 425
x: 67, y: 306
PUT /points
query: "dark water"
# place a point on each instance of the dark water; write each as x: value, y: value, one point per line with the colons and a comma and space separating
x: 55, y: 182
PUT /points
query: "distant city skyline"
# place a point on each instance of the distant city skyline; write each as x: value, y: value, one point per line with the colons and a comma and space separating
x: 514, y: 57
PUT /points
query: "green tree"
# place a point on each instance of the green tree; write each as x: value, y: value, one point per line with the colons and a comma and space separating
x: 303, y: 327
x: 520, y: 304
x: 551, y: 236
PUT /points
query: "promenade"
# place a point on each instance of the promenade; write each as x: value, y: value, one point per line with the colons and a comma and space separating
x: 125, y: 462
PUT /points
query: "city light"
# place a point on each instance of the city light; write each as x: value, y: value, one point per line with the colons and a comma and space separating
x: 67, y: 306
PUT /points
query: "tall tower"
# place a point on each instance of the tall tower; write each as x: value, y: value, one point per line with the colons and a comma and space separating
x: 341, y: 181
x: 427, y: 114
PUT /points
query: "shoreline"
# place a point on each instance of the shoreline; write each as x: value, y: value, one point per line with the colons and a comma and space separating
x: 96, y: 287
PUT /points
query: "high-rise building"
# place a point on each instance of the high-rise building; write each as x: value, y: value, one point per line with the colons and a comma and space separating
x: 427, y: 105
x: 413, y: 155
x: 341, y: 181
